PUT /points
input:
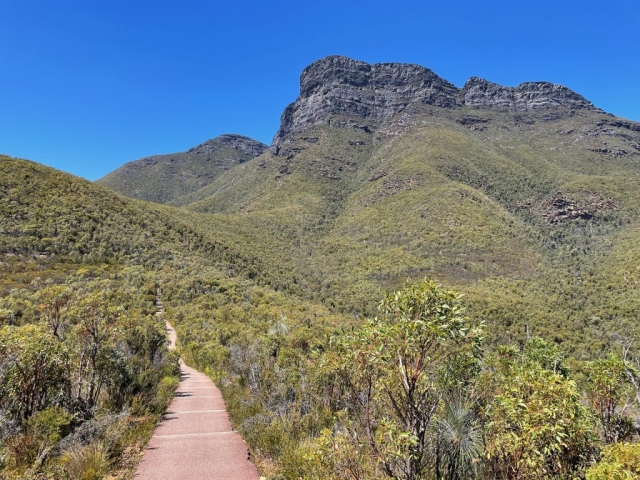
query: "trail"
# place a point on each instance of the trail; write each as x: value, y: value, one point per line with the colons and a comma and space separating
x: 195, y: 439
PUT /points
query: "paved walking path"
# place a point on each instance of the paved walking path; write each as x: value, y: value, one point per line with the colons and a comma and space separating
x: 195, y: 440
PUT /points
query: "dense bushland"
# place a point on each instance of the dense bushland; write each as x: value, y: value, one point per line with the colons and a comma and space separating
x: 84, y: 372
x: 412, y: 393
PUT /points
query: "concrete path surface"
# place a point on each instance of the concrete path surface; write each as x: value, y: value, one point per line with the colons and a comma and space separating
x: 195, y: 440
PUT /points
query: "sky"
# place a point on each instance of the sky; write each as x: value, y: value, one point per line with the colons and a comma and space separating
x: 86, y: 86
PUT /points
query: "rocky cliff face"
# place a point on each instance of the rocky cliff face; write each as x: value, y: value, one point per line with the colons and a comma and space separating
x: 342, y: 86
x: 340, y: 89
x: 481, y: 93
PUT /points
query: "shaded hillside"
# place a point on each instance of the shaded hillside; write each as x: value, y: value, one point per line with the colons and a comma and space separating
x: 165, y: 178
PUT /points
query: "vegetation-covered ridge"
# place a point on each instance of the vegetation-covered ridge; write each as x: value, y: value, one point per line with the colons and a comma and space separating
x: 167, y: 178
x: 532, y: 223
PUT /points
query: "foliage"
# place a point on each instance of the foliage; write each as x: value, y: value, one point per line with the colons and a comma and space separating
x: 87, y: 463
x: 395, y: 372
x: 536, y: 423
x: 620, y: 461
x: 33, y: 372
x: 610, y: 394
x: 69, y: 360
x: 42, y: 432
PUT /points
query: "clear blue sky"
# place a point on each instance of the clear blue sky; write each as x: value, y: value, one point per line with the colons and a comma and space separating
x: 87, y: 85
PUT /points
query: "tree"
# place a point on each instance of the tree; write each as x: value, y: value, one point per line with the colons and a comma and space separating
x: 536, y: 425
x: 97, y: 321
x: 54, y: 302
x: 33, y: 370
x: 395, y: 371
x: 610, y: 393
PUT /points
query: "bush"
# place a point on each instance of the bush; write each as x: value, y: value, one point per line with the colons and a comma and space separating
x: 42, y: 433
x: 620, y: 461
x: 164, y: 394
x: 33, y: 372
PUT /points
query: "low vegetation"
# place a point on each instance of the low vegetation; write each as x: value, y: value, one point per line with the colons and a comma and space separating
x: 412, y: 393
x: 85, y: 373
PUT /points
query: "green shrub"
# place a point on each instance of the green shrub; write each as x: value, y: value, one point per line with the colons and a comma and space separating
x: 620, y: 461
x: 42, y: 433
x: 164, y: 394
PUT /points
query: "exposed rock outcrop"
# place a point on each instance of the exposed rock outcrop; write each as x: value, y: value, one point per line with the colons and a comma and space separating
x: 343, y: 91
x: 527, y: 96
x: 341, y: 86
x: 247, y: 145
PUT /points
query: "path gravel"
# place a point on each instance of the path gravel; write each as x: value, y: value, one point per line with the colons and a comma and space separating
x: 195, y: 440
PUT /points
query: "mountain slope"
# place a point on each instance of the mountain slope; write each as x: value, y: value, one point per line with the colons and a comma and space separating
x: 80, y: 269
x: 521, y: 197
x: 526, y: 189
x: 165, y: 178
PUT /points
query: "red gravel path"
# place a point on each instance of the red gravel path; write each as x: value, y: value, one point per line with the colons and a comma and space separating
x: 195, y: 440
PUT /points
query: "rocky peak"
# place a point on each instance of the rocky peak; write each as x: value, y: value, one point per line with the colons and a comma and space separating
x: 343, y: 91
x: 355, y: 90
x: 527, y: 96
x: 246, y: 145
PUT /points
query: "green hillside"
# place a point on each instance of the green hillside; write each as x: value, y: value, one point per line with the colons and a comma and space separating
x: 78, y: 260
x: 518, y: 204
x: 166, y: 178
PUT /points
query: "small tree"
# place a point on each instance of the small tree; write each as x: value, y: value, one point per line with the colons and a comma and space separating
x: 610, y: 393
x: 95, y: 328
x: 54, y: 303
x: 536, y: 425
x: 33, y: 370
x: 395, y: 371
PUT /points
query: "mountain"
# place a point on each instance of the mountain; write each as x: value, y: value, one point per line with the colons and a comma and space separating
x: 165, y: 178
x: 359, y: 92
x: 525, y: 198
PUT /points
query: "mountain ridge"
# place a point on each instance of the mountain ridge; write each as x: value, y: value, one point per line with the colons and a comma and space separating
x: 376, y: 92
x: 365, y: 188
x: 167, y: 177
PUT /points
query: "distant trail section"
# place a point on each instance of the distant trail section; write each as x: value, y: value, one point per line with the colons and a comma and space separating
x: 195, y: 440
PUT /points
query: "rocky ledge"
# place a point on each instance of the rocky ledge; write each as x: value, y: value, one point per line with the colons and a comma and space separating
x: 359, y: 91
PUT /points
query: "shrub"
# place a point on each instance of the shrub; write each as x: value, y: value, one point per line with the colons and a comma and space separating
x: 620, y: 461
x: 42, y: 433
x: 87, y: 463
